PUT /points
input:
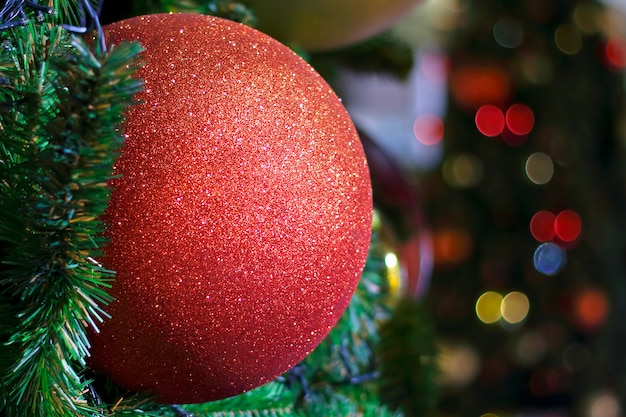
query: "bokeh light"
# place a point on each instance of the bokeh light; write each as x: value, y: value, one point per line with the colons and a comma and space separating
x: 520, y: 119
x: 536, y: 68
x: 604, y: 404
x: 615, y: 52
x: 539, y: 168
x: 488, y: 307
x: 591, y: 307
x: 567, y: 225
x: 428, y: 129
x: 508, y: 32
x: 542, y: 226
x: 515, y: 307
x: 463, y: 170
x: 393, y: 272
x: 391, y: 260
x: 586, y: 17
x: 549, y: 258
x: 490, y: 120
x: 459, y: 363
x: 530, y: 348
x: 473, y: 86
x: 451, y: 246
x: 568, y: 39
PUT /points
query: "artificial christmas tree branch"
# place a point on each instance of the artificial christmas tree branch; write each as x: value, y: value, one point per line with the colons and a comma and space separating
x: 59, y: 142
x: 408, y: 360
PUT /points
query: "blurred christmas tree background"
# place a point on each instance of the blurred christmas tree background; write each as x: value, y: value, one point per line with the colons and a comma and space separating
x: 511, y: 127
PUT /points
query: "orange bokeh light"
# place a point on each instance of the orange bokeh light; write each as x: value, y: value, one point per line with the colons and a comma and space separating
x: 474, y: 86
x: 451, y: 246
x: 591, y: 307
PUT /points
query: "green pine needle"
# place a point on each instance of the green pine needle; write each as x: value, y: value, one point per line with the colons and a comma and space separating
x: 226, y: 9
x: 354, y: 404
x: 408, y: 356
x: 280, y: 412
x: 383, y: 54
x: 59, y: 141
x: 270, y: 399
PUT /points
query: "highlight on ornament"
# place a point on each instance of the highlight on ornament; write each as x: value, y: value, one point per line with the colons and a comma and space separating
x: 240, y: 216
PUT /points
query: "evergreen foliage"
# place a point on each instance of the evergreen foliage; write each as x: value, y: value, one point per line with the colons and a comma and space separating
x: 62, y: 104
x: 272, y: 399
x: 383, y: 54
x: 407, y: 356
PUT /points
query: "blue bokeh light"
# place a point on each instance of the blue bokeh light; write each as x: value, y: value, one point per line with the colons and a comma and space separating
x: 549, y: 258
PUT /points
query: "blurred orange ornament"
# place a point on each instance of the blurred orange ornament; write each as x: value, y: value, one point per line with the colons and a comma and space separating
x: 326, y: 24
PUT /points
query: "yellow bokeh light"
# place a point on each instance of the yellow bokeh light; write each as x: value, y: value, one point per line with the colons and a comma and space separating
x: 587, y: 17
x: 537, y: 68
x: 515, y: 307
x: 489, y: 415
x: 393, y: 272
x: 458, y: 364
x: 463, y: 170
x: 489, y: 306
x: 568, y: 39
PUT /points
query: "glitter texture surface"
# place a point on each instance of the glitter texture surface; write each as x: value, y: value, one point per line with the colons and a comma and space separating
x: 241, y: 223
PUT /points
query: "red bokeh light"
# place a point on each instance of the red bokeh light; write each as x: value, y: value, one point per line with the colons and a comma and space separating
x: 428, y: 129
x: 547, y: 381
x: 615, y: 52
x: 567, y: 225
x: 490, y: 120
x: 520, y: 119
x: 542, y: 226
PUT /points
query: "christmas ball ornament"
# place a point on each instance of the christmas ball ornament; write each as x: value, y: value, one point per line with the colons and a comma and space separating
x: 326, y: 24
x: 241, y: 220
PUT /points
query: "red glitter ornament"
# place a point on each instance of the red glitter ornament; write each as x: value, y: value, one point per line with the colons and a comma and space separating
x: 241, y: 222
